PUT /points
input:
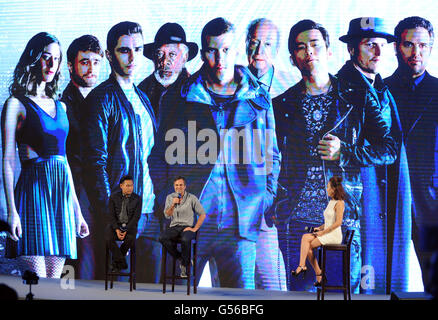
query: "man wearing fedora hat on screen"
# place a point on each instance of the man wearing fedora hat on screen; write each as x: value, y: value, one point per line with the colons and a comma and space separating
x: 367, y: 41
x: 169, y: 52
x: 327, y: 127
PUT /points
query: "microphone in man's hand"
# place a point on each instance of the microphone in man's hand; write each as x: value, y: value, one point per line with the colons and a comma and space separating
x: 123, y: 227
x: 179, y: 197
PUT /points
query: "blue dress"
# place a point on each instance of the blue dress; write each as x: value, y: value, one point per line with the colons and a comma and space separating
x: 42, y: 194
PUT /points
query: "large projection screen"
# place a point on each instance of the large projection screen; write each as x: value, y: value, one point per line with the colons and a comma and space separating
x: 20, y: 20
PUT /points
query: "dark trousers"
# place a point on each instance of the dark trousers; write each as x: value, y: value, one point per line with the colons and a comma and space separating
x: 118, y: 254
x: 169, y: 237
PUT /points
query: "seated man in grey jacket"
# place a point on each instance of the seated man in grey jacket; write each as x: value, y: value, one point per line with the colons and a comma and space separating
x: 181, y: 207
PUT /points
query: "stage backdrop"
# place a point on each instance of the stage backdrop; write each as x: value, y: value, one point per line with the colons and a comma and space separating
x: 20, y: 20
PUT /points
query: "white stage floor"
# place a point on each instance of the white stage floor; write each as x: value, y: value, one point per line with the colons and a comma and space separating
x: 52, y: 289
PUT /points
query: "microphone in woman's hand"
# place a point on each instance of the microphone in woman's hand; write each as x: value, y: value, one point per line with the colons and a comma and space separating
x: 309, y: 229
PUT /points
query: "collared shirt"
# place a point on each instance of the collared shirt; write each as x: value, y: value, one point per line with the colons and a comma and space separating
x: 184, y: 213
x: 381, y: 91
x: 133, y: 210
x: 146, y: 143
x: 266, y: 80
x: 276, y: 81
x: 407, y: 81
x: 418, y: 80
x: 410, y: 102
x: 123, y: 215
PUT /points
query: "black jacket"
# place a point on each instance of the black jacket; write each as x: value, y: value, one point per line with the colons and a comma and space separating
x: 386, y: 209
x: 355, y: 119
x: 134, y: 211
x: 155, y: 90
x: 418, y: 111
x: 110, y: 142
x: 379, y: 90
x: 75, y: 102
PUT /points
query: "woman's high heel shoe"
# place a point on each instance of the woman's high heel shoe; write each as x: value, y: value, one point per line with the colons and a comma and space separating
x: 319, y: 283
x: 303, y: 271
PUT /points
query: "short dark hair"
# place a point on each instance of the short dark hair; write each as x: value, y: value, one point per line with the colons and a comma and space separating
x: 215, y: 28
x: 180, y: 178
x: 302, y: 26
x: 253, y: 26
x: 412, y: 23
x: 121, y: 29
x: 84, y: 43
x: 126, y: 177
x: 339, y: 192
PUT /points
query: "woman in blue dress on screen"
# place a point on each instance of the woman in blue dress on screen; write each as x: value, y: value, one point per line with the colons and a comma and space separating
x: 43, y: 210
x: 328, y: 233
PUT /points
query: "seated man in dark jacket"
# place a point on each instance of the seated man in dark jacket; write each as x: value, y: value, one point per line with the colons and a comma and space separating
x: 118, y: 132
x: 124, y: 212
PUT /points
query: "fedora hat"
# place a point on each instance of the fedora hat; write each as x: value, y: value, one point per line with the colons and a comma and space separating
x: 170, y: 33
x: 368, y: 27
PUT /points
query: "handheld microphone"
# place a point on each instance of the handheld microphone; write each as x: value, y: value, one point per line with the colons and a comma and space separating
x: 123, y: 227
x: 309, y: 229
x: 179, y: 197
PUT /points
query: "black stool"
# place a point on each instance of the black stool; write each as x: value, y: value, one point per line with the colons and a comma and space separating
x: 345, y: 248
x: 173, y: 277
x: 130, y: 274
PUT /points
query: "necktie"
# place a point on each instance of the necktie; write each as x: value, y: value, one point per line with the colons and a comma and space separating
x: 123, y: 217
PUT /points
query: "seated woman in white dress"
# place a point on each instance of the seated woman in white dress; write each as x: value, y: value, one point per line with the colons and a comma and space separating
x: 329, y: 233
